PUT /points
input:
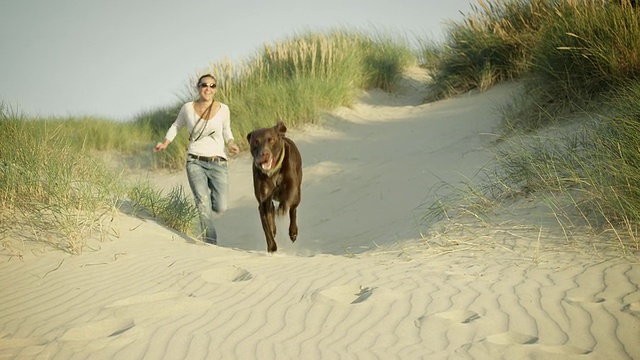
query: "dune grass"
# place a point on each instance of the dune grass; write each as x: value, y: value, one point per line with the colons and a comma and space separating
x: 579, y: 66
x: 569, y: 55
x: 51, y: 192
x: 175, y: 209
x: 586, y: 50
x: 492, y: 44
x: 55, y: 192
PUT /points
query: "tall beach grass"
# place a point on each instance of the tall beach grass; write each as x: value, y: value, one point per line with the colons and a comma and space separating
x: 51, y: 191
x: 587, y: 49
x: 568, y: 54
x: 569, y: 139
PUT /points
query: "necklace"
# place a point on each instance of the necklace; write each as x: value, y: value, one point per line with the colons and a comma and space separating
x: 205, y: 111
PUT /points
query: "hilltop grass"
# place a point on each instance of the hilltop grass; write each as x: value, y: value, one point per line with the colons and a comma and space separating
x: 579, y: 66
x: 569, y: 54
x: 492, y: 44
x: 56, y: 193
x: 51, y: 192
x: 586, y: 51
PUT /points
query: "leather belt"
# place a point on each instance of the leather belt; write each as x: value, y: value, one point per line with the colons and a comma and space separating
x: 207, y: 158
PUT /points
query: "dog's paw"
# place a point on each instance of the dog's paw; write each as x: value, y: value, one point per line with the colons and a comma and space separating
x: 293, y: 233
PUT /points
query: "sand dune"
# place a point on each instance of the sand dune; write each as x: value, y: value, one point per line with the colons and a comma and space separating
x: 360, y: 282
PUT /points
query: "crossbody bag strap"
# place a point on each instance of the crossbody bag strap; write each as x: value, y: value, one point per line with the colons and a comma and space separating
x: 205, y: 114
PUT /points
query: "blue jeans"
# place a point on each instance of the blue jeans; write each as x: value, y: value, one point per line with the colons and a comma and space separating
x: 209, y: 181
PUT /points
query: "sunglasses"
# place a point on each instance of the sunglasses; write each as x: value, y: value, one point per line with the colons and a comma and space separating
x: 211, y: 85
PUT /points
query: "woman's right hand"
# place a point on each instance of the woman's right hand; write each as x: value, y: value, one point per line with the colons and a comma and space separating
x: 160, y: 147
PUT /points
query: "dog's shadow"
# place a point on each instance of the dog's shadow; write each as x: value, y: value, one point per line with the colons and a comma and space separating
x: 240, y: 228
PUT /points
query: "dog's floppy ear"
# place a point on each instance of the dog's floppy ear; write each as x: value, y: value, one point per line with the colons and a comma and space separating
x: 249, y: 136
x: 280, y: 128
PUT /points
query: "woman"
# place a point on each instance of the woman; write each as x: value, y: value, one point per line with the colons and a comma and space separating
x: 208, y: 122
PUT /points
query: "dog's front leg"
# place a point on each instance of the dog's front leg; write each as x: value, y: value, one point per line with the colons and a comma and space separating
x: 267, y: 217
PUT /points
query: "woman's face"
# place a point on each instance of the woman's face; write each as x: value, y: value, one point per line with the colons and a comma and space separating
x: 207, y: 88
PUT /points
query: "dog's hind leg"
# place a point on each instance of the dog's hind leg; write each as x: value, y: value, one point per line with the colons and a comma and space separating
x: 293, y: 224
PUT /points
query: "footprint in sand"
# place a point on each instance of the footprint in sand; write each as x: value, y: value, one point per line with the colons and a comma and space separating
x: 577, y: 300
x: 564, y: 350
x: 632, y: 308
x: 461, y: 316
x: 158, y: 305
x: 115, y: 332
x: 348, y: 294
x: 511, y: 338
x: 230, y: 274
x: 99, y: 330
x: 457, y: 316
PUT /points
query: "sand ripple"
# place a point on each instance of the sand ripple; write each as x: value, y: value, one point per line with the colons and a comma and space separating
x: 274, y: 307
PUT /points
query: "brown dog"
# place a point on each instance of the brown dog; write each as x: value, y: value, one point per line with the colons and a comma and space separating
x: 277, y: 175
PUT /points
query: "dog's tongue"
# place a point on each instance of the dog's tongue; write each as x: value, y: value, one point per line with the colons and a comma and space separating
x: 267, y: 165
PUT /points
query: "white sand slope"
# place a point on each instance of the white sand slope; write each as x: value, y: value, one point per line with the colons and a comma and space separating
x: 151, y: 293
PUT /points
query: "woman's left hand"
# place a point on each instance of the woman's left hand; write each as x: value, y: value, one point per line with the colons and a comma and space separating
x: 233, y: 147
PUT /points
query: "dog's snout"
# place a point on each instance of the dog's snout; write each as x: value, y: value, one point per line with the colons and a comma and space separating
x: 265, y: 151
x: 256, y: 149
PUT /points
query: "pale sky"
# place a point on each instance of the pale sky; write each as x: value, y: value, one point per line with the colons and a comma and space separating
x: 117, y: 58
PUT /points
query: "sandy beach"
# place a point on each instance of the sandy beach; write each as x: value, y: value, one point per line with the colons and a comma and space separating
x: 365, y: 279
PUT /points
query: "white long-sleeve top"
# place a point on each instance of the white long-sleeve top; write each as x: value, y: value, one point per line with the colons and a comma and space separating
x: 208, y: 137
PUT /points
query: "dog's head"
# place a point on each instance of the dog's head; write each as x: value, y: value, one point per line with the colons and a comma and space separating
x: 267, y: 146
